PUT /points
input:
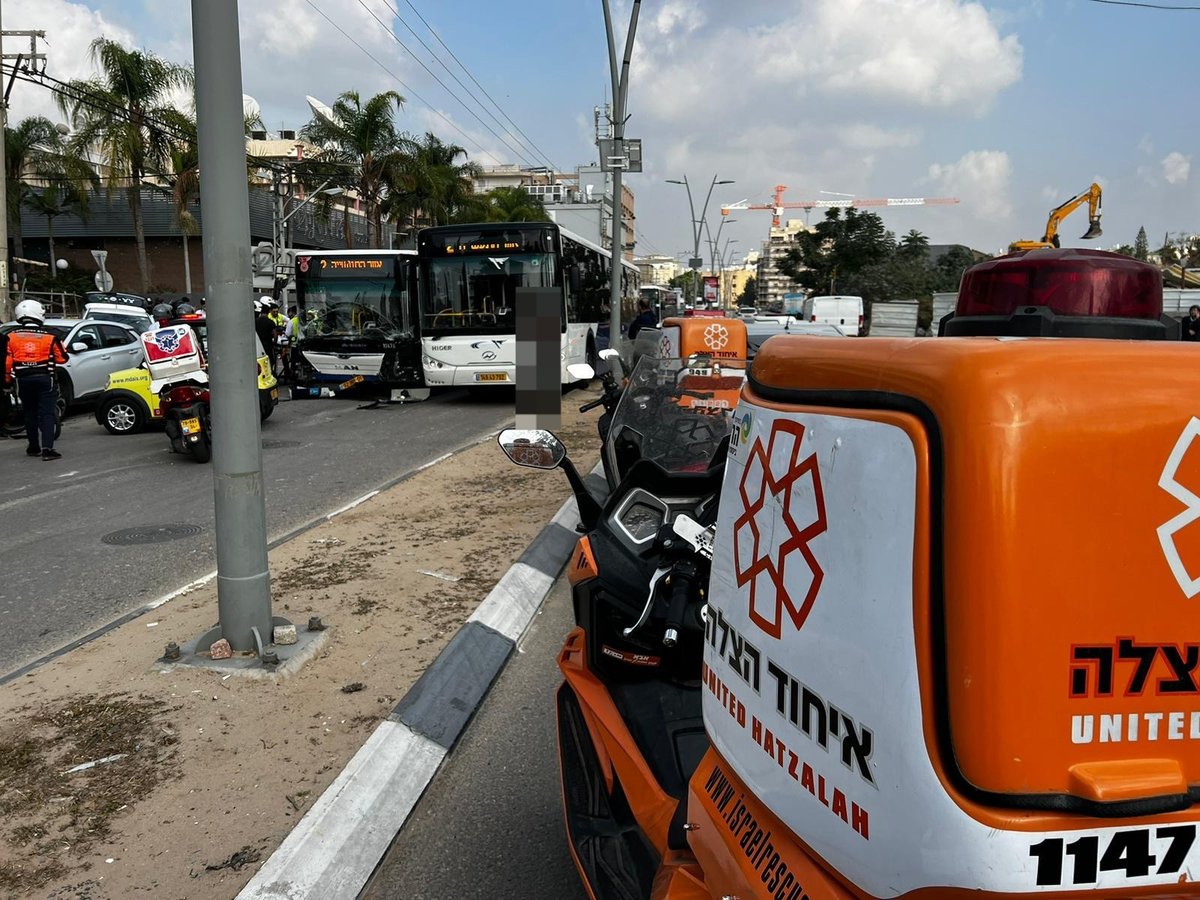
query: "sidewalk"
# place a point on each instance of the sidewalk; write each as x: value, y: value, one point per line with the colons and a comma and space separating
x: 214, y: 771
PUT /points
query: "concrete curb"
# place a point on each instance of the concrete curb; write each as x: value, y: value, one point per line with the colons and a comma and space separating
x: 334, y: 850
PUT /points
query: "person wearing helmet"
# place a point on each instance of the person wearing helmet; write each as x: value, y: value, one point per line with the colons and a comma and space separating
x: 265, y: 329
x: 185, y: 309
x: 163, y: 314
x: 30, y: 357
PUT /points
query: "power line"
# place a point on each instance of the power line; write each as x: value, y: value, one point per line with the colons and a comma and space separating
x: 521, y: 147
x: 438, y: 38
x: 401, y: 82
x: 392, y: 35
x: 1148, y: 5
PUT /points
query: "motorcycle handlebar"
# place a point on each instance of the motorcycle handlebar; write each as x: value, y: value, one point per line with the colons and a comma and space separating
x: 680, y: 590
x: 590, y: 406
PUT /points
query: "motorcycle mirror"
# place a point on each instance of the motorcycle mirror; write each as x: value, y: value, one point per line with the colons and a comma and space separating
x: 581, y: 371
x: 609, y: 353
x: 533, y: 448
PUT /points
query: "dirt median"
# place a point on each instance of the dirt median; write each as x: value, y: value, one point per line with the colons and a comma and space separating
x: 200, y: 775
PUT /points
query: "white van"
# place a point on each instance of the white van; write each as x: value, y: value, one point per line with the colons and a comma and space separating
x: 840, y: 310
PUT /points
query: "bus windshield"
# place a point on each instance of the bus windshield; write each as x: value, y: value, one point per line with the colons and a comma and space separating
x: 477, y: 294
x: 354, y: 307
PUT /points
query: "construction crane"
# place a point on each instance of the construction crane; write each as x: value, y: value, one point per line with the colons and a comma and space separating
x: 779, y: 206
x: 1091, y: 197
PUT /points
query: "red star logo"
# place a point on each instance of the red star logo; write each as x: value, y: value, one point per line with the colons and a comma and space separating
x: 771, y: 549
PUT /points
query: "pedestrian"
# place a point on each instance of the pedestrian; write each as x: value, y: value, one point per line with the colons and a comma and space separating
x: 294, y: 334
x: 31, y: 356
x: 265, y: 329
x: 280, y: 322
x: 1191, y: 325
x: 645, y: 319
x: 200, y: 310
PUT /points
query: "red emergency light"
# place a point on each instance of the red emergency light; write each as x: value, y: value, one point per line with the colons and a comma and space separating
x: 1064, y: 293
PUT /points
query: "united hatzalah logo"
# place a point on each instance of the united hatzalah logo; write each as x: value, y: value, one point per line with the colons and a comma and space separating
x: 716, y: 337
x: 1169, y: 482
x: 781, y: 492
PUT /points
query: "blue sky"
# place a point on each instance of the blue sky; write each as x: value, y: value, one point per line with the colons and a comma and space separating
x: 1011, y: 106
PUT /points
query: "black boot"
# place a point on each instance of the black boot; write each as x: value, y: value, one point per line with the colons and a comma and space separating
x: 49, y: 454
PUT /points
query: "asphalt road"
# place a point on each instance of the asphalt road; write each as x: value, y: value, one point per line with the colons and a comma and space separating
x: 59, y: 579
x: 490, y: 825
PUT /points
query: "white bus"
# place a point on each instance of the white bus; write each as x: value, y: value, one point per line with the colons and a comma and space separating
x: 359, y: 315
x: 468, y: 280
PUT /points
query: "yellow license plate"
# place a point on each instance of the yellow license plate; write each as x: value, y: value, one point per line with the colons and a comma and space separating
x: 346, y: 385
x: 274, y: 393
x: 491, y: 376
x: 190, y: 426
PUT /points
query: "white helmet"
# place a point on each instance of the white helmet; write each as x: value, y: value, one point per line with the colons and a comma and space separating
x: 30, y: 309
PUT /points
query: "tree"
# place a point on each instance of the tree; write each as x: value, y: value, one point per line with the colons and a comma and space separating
x: 362, y: 136
x: 749, y: 294
x: 1125, y: 250
x: 1141, y: 246
x: 829, y: 258
x: 430, y: 185
x: 184, y: 181
x: 121, y: 115
x: 35, y: 149
x: 914, y: 244
x: 52, y: 201
x: 513, y: 204
x: 948, y: 271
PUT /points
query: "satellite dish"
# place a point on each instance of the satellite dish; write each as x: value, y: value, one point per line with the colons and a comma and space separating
x: 250, y: 107
x: 320, y: 110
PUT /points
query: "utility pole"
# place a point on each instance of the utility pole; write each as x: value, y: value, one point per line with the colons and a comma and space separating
x: 6, y: 307
x: 243, y: 579
x: 620, y: 88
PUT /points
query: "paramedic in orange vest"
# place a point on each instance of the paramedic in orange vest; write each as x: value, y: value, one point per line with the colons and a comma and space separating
x: 31, y: 356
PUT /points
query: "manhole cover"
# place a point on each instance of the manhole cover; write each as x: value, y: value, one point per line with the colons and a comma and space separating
x: 151, y: 534
x: 279, y: 445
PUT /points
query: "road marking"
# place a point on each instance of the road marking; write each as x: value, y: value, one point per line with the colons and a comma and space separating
x: 353, y: 503
x: 69, y: 474
x: 179, y: 592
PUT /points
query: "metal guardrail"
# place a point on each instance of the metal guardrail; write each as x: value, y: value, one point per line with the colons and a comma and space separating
x: 58, y: 304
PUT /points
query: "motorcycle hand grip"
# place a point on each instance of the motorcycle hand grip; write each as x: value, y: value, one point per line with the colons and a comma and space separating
x: 590, y: 406
x: 680, y: 590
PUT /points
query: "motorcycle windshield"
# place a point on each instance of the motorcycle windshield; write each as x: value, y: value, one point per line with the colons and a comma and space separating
x: 677, y: 412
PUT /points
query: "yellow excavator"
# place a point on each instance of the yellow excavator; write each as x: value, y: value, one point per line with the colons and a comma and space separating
x: 1050, y: 239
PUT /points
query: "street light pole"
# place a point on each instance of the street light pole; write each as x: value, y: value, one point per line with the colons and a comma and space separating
x: 620, y: 89
x: 6, y: 311
x: 697, y: 224
x: 243, y: 579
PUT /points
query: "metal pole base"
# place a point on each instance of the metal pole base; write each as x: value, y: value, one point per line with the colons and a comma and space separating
x: 268, y: 660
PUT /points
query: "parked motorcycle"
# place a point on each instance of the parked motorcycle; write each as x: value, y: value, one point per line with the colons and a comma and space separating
x: 179, y: 377
x: 630, y: 728
x: 185, y: 410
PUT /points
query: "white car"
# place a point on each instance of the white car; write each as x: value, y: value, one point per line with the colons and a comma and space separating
x: 95, y: 349
x: 132, y: 317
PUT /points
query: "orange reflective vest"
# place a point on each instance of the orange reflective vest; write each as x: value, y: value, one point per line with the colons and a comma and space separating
x: 32, y: 351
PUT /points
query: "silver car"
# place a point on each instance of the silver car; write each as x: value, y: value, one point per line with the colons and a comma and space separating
x: 95, y: 349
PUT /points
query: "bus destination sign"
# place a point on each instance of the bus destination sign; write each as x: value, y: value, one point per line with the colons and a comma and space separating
x: 333, y: 266
x: 468, y: 244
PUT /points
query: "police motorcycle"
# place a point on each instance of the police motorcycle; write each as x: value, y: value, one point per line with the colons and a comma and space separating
x: 949, y: 636
x: 179, y: 376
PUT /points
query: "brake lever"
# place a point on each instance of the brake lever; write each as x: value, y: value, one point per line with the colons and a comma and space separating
x: 702, y: 539
x: 659, y: 575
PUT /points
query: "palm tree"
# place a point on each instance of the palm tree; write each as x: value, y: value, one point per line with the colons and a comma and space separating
x: 36, y: 149
x: 914, y: 243
x: 364, y: 136
x: 52, y: 201
x: 121, y: 115
x: 513, y: 204
x: 429, y: 183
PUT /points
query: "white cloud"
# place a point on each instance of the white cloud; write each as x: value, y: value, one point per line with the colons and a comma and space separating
x: 1176, y: 167
x: 981, y: 179
x: 70, y: 29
